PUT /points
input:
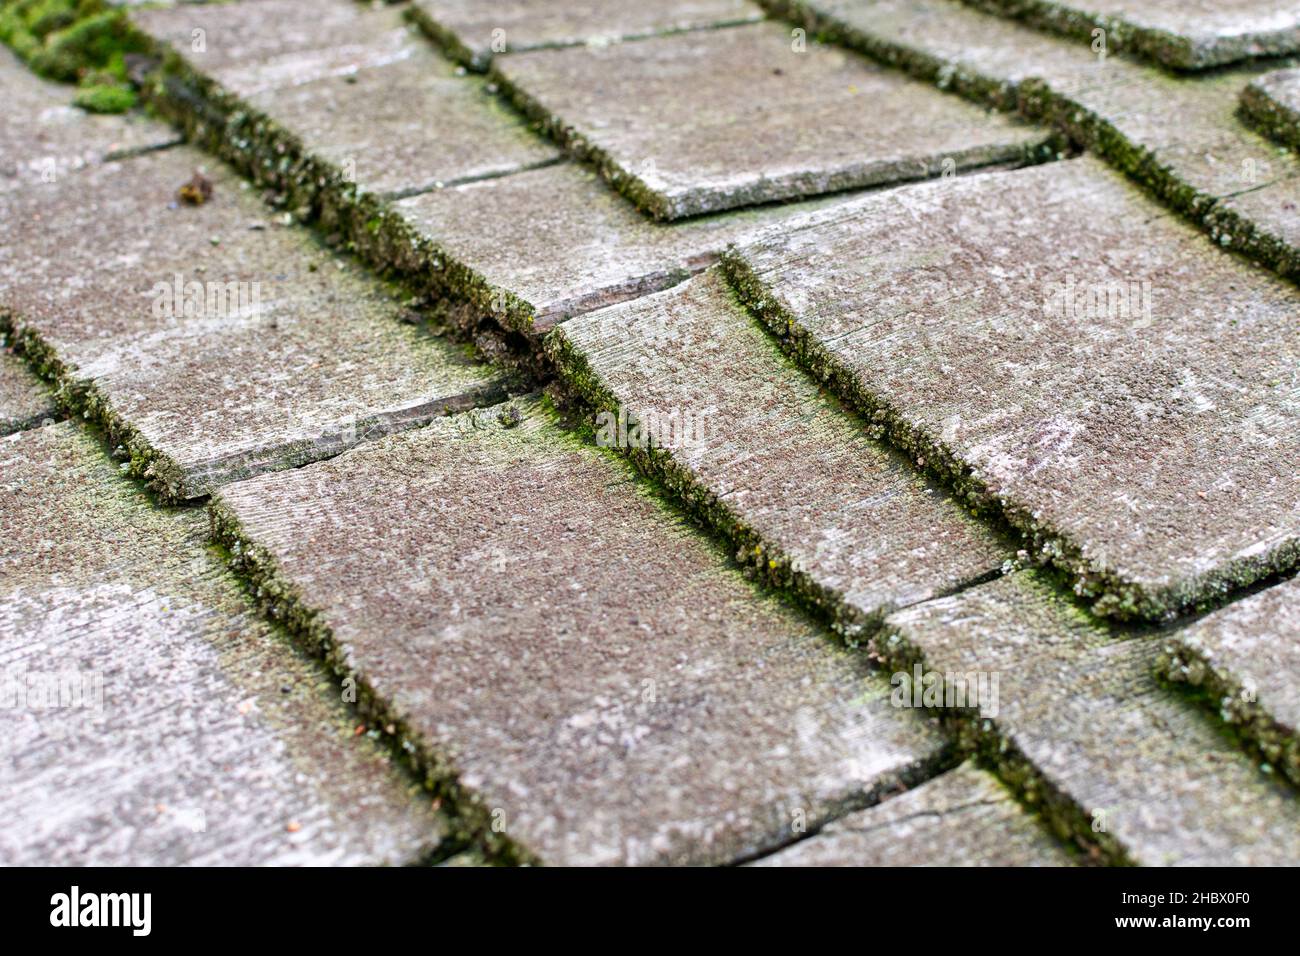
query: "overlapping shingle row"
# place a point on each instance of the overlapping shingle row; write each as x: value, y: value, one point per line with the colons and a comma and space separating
x: 153, y: 717
x: 1178, y: 136
x: 566, y: 658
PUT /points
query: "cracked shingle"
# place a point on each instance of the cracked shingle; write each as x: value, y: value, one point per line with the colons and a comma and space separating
x: 538, y: 247
x: 960, y: 818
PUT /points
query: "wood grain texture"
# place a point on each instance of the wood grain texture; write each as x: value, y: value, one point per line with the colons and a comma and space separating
x: 598, y: 683
x: 184, y: 729
x: 1110, y: 755
x: 960, y: 818
x: 1147, y: 447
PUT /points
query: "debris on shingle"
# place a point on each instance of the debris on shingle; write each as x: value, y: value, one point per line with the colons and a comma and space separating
x: 212, y: 351
x: 603, y: 687
x: 749, y: 440
x: 1106, y: 379
x: 964, y: 817
x: 701, y: 122
x: 145, y: 722
x: 196, y: 190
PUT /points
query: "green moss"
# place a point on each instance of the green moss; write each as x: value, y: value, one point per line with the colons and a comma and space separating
x: 35, y: 19
x: 1247, y: 723
x: 984, y: 740
x: 103, y: 98
x: 67, y: 39
x: 1270, y: 117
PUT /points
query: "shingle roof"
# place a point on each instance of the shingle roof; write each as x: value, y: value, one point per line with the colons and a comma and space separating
x: 631, y: 516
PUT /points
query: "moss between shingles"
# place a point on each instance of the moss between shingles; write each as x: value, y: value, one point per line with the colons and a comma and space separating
x: 447, y: 40
x: 972, y: 736
x: 752, y: 551
x: 1261, y: 111
x: 282, y: 602
x: 160, y: 472
x: 276, y: 159
x: 772, y: 565
x: 984, y: 740
x: 1111, y: 594
x: 669, y: 208
x: 79, y: 397
x: 1165, y: 48
x: 1228, y: 228
x: 1184, y: 665
x: 75, y: 41
x: 1034, y: 100
x: 319, y: 192
x: 634, y: 189
x: 1175, y: 53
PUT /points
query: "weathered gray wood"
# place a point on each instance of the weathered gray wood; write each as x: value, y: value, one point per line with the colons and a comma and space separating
x: 473, y: 32
x: 45, y: 139
x: 303, y: 359
x: 259, y: 45
x: 961, y: 818
x: 534, y: 248
x: 756, y: 448
x: 1126, y: 403
x: 151, y: 716
x: 707, y: 121
x: 1247, y: 659
x: 603, y: 688
x: 353, y: 88
x: 1179, y: 136
x: 1079, y: 720
x: 1183, y: 34
x: 24, y: 401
